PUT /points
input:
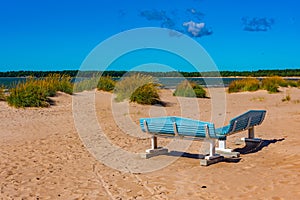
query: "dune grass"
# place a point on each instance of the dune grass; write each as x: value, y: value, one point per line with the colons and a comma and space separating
x: 36, y: 92
x: 125, y: 88
x: 106, y: 83
x: 57, y: 82
x: 271, y: 84
x: 2, y: 94
x: 257, y: 99
x: 298, y: 83
x: 248, y: 84
x: 32, y: 93
x: 146, y: 94
x: 189, y: 89
x: 138, y: 87
x: 292, y: 83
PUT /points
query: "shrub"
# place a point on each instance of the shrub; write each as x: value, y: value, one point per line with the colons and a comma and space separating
x: 106, y: 84
x: 29, y: 94
x: 271, y: 84
x: 2, y: 94
x: 57, y: 82
x: 128, y: 85
x: 272, y: 88
x: 146, y: 94
x: 292, y: 83
x: 184, y: 89
x: 199, y: 91
x: 189, y: 89
x: 248, y: 84
x: 65, y: 84
x: 35, y: 92
x: 298, y: 83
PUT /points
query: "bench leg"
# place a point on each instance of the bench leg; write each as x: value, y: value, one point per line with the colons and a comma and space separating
x: 251, y: 133
x: 251, y: 137
x: 155, y: 150
x: 153, y: 142
x: 222, y: 144
x: 212, y: 157
x: 212, y: 150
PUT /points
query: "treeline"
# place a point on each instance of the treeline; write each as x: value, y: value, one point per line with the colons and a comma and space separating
x: 263, y: 73
x: 74, y: 73
x: 37, y: 74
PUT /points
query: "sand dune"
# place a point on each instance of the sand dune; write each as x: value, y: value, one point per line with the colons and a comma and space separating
x: 43, y: 156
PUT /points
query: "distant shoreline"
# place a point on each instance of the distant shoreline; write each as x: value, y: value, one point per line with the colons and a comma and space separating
x: 258, y: 77
x: 288, y: 73
x: 168, y: 82
x: 262, y: 77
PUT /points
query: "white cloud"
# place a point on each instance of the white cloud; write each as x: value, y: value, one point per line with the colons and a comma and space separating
x: 194, y: 28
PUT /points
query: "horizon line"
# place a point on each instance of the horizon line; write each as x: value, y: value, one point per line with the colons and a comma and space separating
x: 65, y: 70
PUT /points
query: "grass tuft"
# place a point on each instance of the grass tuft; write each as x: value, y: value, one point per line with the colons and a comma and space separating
x: 189, y: 89
x: 257, y: 99
x: 35, y: 92
x: 57, y: 82
x: 129, y: 84
x: 146, y: 94
x: 287, y: 98
x: 102, y: 83
x: 271, y: 84
x: 106, y: 84
x: 248, y: 84
x: 292, y: 83
x: 2, y: 93
x: 32, y: 93
x: 296, y: 101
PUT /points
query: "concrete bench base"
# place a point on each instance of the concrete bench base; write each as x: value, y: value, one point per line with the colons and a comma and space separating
x: 154, y: 152
x: 243, y: 141
x: 228, y: 154
x: 211, y: 160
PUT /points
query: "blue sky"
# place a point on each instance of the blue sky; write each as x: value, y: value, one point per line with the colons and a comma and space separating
x: 237, y: 34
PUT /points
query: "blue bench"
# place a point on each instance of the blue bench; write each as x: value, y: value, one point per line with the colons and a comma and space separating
x: 185, y: 128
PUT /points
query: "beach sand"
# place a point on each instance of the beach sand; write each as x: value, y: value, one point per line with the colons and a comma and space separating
x: 43, y: 157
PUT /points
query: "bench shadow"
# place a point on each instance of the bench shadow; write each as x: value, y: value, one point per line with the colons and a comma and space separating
x: 250, y: 147
x: 253, y: 147
x: 51, y: 102
x: 186, y: 155
x: 164, y: 104
x: 199, y: 156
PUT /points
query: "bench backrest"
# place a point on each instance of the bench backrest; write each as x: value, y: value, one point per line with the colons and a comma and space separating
x: 173, y: 126
x: 246, y: 121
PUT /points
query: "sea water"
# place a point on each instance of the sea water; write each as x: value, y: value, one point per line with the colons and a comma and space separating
x: 167, y: 82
